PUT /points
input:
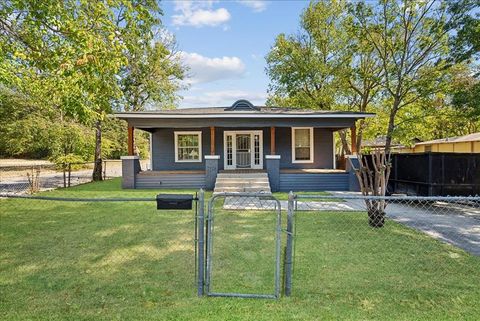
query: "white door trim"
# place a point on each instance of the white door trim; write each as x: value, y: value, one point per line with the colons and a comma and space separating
x: 234, y: 148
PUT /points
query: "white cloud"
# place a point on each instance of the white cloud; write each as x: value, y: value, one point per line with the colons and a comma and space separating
x: 222, y: 98
x: 256, y: 5
x: 204, y: 69
x: 199, y: 14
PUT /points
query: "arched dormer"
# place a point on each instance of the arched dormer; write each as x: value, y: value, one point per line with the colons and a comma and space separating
x: 242, y: 104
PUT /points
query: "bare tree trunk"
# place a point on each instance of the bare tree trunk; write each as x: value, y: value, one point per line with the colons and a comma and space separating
x: 373, y: 179
x: 97, y: 169
x: 360, y: 134
x: 391, y: 125
x: 343, y: 138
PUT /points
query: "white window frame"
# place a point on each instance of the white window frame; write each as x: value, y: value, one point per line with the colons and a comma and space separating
x: 294, y: 161
x: 199, y: 160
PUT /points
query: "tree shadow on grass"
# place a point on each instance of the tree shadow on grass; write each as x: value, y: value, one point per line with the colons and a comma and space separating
x: 91, y: 257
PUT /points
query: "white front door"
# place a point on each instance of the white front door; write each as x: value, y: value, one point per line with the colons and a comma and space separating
x: 243, y: 149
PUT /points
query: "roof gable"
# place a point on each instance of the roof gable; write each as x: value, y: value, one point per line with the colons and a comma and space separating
x: 242, y: 104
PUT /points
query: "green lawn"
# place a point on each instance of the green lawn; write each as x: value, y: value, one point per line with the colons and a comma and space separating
x: 128, y: 261
x: 284, y: 196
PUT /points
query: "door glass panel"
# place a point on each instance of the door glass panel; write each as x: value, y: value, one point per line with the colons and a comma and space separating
x: 256, y: 140
x: 229, y: 150
x: 243, y: 151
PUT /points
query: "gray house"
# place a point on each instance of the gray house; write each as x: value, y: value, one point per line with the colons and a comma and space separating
x: 239, y: 148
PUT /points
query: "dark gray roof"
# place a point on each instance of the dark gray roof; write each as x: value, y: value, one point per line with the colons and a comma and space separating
x: 241, y: 108
x: 259, y: 110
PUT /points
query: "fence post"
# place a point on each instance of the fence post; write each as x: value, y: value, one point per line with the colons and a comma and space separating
x: 64, y: 168
x: 201, y: 242
x: 289, y: 245
x: 69, y: 173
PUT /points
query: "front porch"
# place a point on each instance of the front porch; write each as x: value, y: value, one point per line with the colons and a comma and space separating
x: 306, y: 165
x: 295, y: 148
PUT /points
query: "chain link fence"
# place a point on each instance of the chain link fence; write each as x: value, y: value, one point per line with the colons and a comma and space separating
x: 421, y: 243
x: 29, y: 179
x: 110, y: 251
x: 63, y: 247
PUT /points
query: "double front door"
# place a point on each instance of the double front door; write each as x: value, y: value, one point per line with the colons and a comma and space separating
x: 243, y: 149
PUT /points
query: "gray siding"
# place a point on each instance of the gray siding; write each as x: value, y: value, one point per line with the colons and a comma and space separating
x: 171, y: 181
x: 163, y: 148
x: 314, y: 182
x: 322, y: 149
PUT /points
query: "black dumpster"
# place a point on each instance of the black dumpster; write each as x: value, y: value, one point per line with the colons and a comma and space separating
x: 435, y: 174
x: 174, y: 201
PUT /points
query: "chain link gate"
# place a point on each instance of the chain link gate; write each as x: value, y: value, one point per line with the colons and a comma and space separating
x: 237, y: 237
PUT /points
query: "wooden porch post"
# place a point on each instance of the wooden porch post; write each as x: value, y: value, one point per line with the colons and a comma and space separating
x: 353, y: 136
x: 212, y: 140
x: 130, y: 140
x: 272, y: 141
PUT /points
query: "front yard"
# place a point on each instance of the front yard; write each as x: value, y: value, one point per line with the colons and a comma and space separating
x: 128, y: 261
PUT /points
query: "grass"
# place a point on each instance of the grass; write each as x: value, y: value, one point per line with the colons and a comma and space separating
x: 128, y: 261
x: 282, y: 196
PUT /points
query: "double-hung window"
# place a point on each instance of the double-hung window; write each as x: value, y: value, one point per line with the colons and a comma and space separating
x: 302, y: 145
x: 188, y: 146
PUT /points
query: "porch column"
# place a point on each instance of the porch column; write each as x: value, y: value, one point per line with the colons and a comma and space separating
x: 272, y: 164
x: 272, y: 141
x: 212, y: 140
x: 353, y: 136
x: 130, y: 169
x: 130, y: 140
x: 211, y: 171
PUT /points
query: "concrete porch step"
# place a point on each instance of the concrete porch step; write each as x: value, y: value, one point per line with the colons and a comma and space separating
x: 242, y: 190
x: 242, y: 183
x: 242, y: 176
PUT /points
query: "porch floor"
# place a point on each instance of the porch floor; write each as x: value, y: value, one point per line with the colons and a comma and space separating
x: 312, y: 171
x: 156, y: 173
x: 242, y: 171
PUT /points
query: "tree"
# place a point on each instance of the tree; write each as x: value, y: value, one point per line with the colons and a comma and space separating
x: 465, y: 41
x: 327, y: 65
x: 411, y: 41
x: 302, y: 68
x: 152, y: 76
x: 63, y: 55
x: 69, y: 55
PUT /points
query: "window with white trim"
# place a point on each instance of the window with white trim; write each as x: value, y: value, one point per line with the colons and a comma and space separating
x: 188, y: 146
x: 302, y: 144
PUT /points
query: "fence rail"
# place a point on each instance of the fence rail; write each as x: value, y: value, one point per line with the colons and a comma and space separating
x: 29, y: 179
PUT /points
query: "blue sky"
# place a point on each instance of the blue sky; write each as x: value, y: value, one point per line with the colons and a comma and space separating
x: 224, y: 43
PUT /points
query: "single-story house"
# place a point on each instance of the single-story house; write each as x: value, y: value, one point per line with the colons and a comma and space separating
x: 239, y: 148
x: 459, y: 144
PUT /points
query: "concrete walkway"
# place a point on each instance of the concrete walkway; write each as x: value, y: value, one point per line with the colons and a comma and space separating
x: 455, y: 224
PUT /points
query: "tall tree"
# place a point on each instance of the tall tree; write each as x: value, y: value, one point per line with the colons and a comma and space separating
x: 62, y: 54
x: 303, y: 67
x: 152, y: 77
x: 328, y: 64
x: 70, y: 54
x: 411, y: 41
